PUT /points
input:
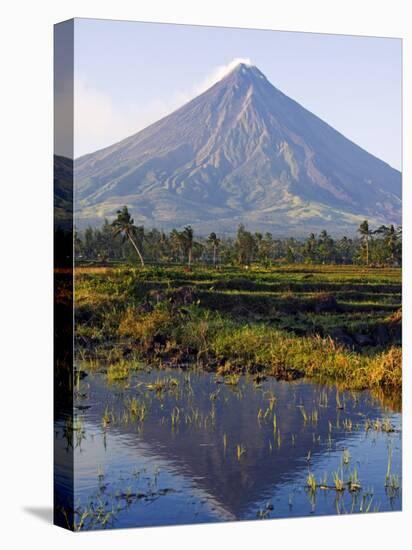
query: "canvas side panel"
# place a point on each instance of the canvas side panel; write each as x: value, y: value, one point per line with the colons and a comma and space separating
x: 64, y: 426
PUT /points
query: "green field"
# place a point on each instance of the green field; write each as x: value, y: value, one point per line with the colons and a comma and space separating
x: 338, y: 323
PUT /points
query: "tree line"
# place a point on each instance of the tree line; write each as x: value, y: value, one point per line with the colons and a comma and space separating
x: 123, y: 240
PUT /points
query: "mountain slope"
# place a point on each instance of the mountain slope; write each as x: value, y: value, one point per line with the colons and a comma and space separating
x: 240, y: 152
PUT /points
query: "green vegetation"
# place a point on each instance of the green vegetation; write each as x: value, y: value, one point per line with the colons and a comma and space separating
x: 285, y: 307
x: 339, y: 323
x: 379, y: 247
x: 320, y: 308
x: 311, y: 482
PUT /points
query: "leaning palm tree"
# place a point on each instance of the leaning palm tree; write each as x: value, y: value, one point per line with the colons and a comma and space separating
x: 124, y: 225
x: 215, y: 242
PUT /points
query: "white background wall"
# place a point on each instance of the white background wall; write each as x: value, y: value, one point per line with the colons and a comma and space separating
x: 26, y: 270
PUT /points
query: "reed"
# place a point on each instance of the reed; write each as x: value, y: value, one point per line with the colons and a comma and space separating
x: 311, y: 482
x: 338, y: 481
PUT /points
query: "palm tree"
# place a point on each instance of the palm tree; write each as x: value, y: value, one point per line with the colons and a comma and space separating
x: 365, y: 234
x: 390, y: 238
x: 215, y: 242
x: 187, y: 241
x: 124, y: 225
x: 310, y: 247
x: 245, y: 245
x: 325, y: 247
x: 175, y: 241
x: 343, y: 247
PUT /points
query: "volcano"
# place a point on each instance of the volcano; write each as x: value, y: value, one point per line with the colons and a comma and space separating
x: 241, y: 152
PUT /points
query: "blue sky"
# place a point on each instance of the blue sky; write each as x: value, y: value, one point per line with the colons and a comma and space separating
x: 130, y: 74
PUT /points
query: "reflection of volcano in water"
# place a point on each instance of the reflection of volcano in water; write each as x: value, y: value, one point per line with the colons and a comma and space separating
x: 273, y: 454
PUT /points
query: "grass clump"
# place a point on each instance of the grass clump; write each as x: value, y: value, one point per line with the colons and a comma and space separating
x: 136, y: 409
x: 386, y: 369
x: 338, y: 481
x: 145, y: 327
x: 117, y: 372
x: 311, y: 482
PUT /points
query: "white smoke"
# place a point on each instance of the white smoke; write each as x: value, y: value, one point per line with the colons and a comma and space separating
x: 220, y: 72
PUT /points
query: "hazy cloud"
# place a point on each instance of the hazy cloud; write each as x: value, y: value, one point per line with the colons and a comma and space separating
x: 99, y: 121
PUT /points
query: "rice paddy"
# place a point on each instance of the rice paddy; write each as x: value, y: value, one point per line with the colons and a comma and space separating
x: 226, y: 394
x: 338, y: 323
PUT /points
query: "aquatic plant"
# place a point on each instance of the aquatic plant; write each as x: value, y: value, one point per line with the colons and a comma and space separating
x: 391, y: 481
x: 74, y: 431
x: 353, y: 481
x: 264, y: 514
x: 311, y: 482
x: 137, y: 410
x: 214, y: 395
x: 366, y: 504
x: 175, y: 416
x: 272, y: 402
x: 347, y: 424
x: 387, y: 426
x: 379, y: 425
x: 117, y: 372
x: 240, y: 450
x: 324, y: 482
x: 79, y: 526
x: 107, y: 417
x: 338, y: 481
x: 305, y: 416
x: 232, y: 380
x: 315, y: 416
x: 392, y: 485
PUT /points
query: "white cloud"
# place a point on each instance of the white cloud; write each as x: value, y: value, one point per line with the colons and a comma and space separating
x: 219, y: 73
x: 99, y: 122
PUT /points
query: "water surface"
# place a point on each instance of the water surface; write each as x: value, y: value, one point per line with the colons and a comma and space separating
x: 205, y: 451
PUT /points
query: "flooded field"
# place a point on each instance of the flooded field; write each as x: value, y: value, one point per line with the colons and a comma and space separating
x: 171, y: 446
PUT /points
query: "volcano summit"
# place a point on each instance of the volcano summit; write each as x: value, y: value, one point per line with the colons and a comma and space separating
x: 241, y: 152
